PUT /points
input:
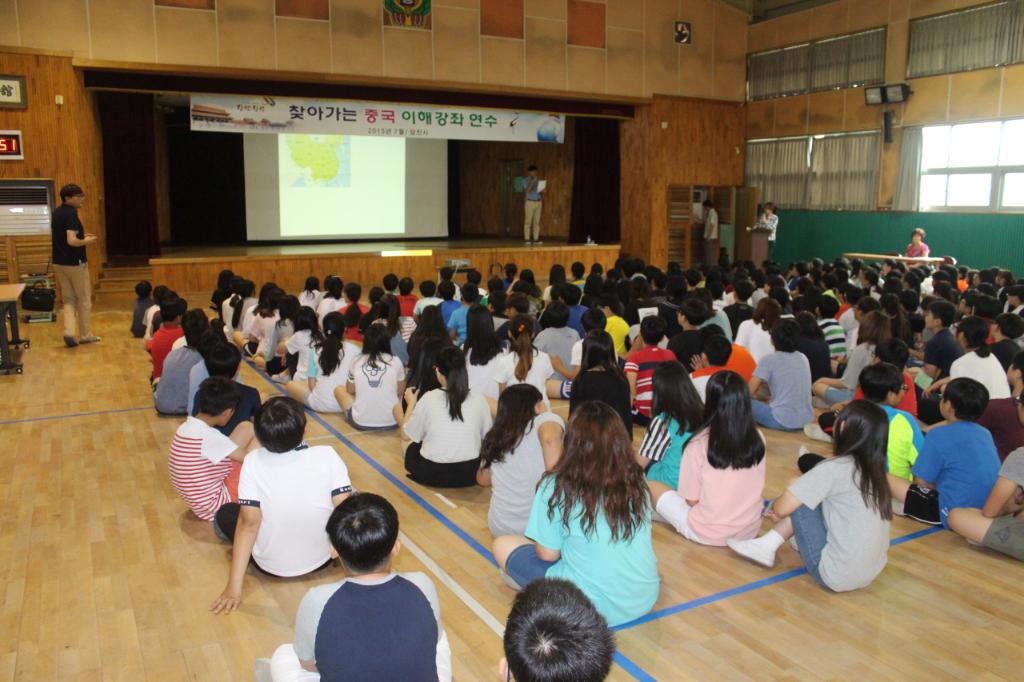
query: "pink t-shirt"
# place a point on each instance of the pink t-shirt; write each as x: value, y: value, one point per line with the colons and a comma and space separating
x: 729, y: 501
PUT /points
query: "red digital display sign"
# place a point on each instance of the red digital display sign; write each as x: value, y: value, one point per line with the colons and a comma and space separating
x: 10, y: 145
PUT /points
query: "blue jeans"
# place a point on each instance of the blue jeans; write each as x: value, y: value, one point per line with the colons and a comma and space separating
x: 811, y: 537
x: 763, y: 416
x: 524, y: 566
x: 837, y: 395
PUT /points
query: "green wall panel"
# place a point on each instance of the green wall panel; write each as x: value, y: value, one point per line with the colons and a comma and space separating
x: 977, y: 240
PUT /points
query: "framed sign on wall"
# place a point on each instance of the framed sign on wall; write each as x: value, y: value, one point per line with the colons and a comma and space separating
x: 12, y: 92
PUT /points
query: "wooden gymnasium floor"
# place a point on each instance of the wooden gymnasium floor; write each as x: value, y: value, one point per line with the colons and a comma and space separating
x: 105, y: 575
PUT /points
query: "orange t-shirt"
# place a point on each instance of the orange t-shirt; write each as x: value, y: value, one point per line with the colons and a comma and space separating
x: 740, y: 361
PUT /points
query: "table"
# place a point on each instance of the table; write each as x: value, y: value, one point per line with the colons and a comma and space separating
x: 9, y: 294
x: 898, y: 259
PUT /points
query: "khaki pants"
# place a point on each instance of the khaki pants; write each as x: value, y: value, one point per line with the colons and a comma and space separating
x: 76, y: 294
x: 532, y: 220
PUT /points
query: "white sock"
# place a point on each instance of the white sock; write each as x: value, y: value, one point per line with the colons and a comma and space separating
x: 772, y: 539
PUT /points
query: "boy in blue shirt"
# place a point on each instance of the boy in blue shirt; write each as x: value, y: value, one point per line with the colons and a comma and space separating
x: 457, y: 322
x: 446, y: 289
x: 959, y: 463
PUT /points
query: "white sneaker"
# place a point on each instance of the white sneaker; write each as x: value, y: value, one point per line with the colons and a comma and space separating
x: 814, y: 431
x: 756, y: 550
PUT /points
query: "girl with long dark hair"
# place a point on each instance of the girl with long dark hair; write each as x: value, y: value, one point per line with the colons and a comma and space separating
x: 430, y: 328
x: 332, y: 358
x: 722, y: 474
x: 840, y: 510
x: 354, y: 311
x: 261, y: 320
x: 525, y: 441
x: 556, y: 278
x: 333, y: 298
x: 600, y: 378
x: 387, y: 311
x: 310, y: 296
x: 524, y: 363
x: 678, y: 412
x: 590, y: 522
x: 371, y: 398
x: 235, y: 308
x: 483, y: 352
x: 222, y: 292
x: 303, y: 342
x: 272, y: 354
x: 445, y: 426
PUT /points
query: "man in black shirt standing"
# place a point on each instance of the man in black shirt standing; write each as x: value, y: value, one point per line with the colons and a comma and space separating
x: 70, y: 266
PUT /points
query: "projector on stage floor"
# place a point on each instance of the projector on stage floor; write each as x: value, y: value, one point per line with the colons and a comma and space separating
x: 457, y: 263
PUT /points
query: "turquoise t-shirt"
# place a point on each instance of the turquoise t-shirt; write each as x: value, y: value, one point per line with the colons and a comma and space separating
x: 666, y: 469
x: 620, y: 578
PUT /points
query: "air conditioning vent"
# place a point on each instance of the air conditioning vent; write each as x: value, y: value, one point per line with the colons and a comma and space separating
x: 24, y: 207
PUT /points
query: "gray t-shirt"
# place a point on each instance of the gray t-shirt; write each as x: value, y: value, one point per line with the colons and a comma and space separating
x: 859, y: 358
x: 1012, y: 469
x: 788, y: 376
x: 312, y: 606
x: 857, y: 544
x: 514, y: 480
x: 172, y: 391
x: 558, y: 341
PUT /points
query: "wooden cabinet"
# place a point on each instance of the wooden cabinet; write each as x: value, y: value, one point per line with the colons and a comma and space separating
x: 737, y: 210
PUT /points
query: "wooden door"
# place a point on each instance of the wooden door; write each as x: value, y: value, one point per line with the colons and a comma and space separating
x: 746, y: 202
x: 511, y: 200
x: 680, y: 224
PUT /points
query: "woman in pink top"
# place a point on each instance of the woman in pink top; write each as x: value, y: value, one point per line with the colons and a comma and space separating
x: 721, y: 479
x: 917, y: 248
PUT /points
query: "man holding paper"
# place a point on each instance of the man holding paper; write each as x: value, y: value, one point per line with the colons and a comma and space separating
x: 534, y: 188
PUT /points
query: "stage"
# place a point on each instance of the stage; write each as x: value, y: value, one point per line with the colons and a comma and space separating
x: 194, y: 269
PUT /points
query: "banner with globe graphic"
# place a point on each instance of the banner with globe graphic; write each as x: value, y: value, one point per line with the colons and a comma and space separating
x: 240, y: 114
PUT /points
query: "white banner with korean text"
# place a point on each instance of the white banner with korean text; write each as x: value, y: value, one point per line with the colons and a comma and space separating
x: 240, y: 114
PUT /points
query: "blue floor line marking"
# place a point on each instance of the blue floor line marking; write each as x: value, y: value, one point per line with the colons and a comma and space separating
x: 76, y: 414
x: 632, y: 668
x: 756, y: 585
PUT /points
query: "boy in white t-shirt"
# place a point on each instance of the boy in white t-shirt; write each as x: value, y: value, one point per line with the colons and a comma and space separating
x: 204, y: 463
x: 286, y: 494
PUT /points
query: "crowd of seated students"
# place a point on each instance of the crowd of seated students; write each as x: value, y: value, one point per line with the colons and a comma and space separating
x: 917, y: 376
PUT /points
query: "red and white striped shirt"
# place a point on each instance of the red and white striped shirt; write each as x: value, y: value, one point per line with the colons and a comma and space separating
x: 198, y: 466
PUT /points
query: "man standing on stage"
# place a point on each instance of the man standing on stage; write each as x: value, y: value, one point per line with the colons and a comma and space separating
x: 70, y: 266
x: 769, y: 221
x: 534, y: 201
x: 710, y: 233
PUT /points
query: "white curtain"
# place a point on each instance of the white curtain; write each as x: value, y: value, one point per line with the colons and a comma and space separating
x: 867, y: 58
x: 779, y: 168
x: 908, y: 179
x: 857, y: 59
x: 779, y: 72
x: 844, y: 172
x: 968, y: 39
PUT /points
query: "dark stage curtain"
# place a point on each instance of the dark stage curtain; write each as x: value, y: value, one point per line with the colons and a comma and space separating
x: 454, y: 203
x: 595, y: 184
x: 129, y: 173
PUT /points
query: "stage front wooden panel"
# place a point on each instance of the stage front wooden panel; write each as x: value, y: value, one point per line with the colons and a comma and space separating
x: 289, y: 266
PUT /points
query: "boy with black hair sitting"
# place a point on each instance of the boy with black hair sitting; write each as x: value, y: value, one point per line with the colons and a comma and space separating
x: 883, y: 384
x: 457, y: 320
x: 159, y: 345
x: 375, y: 624
x: 171, y: 395
x: 427, y: 298
x: 554, y: 634
x: 1007, y: 331
x: 640, y: 366
x: 143, y: 302
x: 740, y: 310
x: 449, y: 304
x: 286, y: 492
x: 958, y: 465
x: 222, y: 359
x: 204, y: 463
x: 826, y: 308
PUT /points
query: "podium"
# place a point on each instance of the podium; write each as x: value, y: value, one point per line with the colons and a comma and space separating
x: 759, y: 244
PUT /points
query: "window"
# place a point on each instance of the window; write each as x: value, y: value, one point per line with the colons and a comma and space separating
x: 823, y: 172
x: 976, y: 166
x: 841, y: 62
x: 975, y: 38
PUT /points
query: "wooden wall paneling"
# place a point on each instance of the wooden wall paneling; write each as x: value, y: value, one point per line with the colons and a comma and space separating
x: 479, y: 192
x: 62, y: 142
x: 197, y: 276
x: 675, y: 141
x: 6, y: 254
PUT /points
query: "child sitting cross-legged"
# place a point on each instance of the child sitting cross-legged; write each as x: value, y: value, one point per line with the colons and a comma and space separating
x: 959, y: 463
x: 882, y: 384
x: 720, y: 484
x: 204, y: 463
x: 286, y: 492
x: 376, y: 624
x: 786, y: 405
x: 678, y: 413
x: 839, y: 511
x: 999, y: 524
